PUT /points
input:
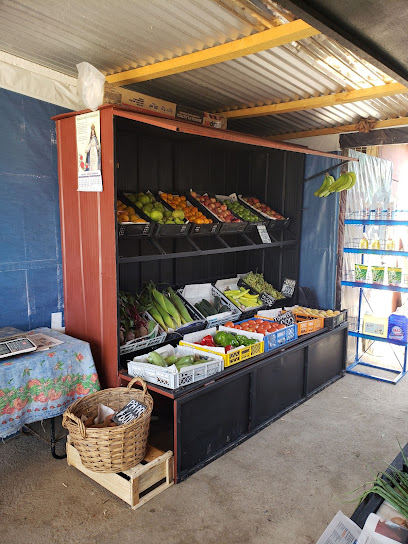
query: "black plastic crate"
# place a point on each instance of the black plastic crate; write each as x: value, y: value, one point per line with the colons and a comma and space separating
x: 336, y: 320
x: 168, y: 230
x: 128, y: 230
x: 267, y: 299
x: 272, y: 224
x: 225, y: 228
x: 195, y: 228
x: 251, y: 225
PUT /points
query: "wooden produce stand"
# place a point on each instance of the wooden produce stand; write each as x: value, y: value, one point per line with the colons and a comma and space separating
x: 142, y: 152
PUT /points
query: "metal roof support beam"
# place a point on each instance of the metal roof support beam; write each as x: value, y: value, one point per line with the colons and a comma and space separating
x: 388, y: 123
x: 344, y: 97
x: 280, y: 35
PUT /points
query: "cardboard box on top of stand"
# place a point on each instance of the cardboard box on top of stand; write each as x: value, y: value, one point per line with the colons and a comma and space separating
x: 148, y: 104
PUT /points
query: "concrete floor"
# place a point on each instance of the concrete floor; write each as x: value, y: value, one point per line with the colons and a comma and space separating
x: 282, y: 486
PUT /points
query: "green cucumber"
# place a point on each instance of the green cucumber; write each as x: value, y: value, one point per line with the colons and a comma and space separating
x: 201, y: 309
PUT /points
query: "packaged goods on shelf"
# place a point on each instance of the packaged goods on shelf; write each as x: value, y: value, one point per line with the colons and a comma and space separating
x: 234, y: 354
x: 397, y: 327
x: 174, y: 376
x: 375, y: 326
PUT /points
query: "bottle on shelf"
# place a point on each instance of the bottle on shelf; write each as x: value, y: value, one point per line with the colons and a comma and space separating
x: 364, y: 241
x: 376, y: 242
x: 379, y: 210
x: 390, y: 246
x: 367, y: 210
x: 391, y: 210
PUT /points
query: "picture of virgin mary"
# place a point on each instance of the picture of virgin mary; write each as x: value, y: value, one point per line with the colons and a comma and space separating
x: 93, y: 152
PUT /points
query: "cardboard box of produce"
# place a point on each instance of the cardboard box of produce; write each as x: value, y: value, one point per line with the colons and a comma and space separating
x: 148, y: 104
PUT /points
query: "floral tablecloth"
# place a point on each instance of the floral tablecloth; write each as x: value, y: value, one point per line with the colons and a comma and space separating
x: 42, y: 384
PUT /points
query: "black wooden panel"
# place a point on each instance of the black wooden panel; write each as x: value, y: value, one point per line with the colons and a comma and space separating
x: 278, y: 386
x: 211, y: 420
x: 326, y: 359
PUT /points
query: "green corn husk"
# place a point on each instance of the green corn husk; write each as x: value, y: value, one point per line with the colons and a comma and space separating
x: 177, y: 302
x: 165, y: 316
x: 157, y: 317
x: 167, y: 306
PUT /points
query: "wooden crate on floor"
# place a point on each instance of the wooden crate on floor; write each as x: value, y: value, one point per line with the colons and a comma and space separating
x: 137, y: 485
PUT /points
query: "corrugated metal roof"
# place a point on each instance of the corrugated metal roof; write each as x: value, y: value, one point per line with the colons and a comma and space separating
x: 116, y: 36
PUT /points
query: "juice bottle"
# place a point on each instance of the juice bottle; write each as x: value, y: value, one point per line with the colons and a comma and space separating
x: 364, y: 241
x: 390, y: 244
x: 376, y: 242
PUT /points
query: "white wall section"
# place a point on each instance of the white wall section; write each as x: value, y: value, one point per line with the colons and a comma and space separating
x: 30, y: 79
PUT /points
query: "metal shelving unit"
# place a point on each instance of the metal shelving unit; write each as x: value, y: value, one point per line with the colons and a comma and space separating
x: 349, y: 281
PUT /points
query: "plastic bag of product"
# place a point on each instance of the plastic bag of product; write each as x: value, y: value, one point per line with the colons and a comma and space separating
x: 90, y: 85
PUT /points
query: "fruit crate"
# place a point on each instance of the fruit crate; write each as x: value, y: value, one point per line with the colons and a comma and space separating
x: 128, y: 230
x: 225, y: 228
x: 267, y: 299
x: 157, y: 336
x: 198, y: 323
x: 251, y: 225
x: 235, y: 355
x: 278, y: 338
x: 273, y: 224
x: 166, y: 230
x: 306, y: 325
x: 336, y: 320
x: 137, y: 485
x: 208, y: 292
x: 232, y: 283
x: 196, y: 228
x: 169, y: 377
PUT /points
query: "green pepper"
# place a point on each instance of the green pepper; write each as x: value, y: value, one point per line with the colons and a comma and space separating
x: 221, y: 339
x: 242, y: 339
x: 251, y: 341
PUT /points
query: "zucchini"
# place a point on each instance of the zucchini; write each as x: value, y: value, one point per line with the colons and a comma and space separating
x: 201, y: 309
x: 209, y: 307
x: 224, y: 308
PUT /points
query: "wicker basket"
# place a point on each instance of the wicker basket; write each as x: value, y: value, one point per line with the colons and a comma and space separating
x: 110, y: 449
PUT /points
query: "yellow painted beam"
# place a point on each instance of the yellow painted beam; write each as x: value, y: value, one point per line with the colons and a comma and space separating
x: 344, y: 97
x: 280, y: 35
x: 387, y: 123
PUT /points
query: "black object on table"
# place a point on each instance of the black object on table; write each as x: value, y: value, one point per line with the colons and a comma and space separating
x: 373, y: 502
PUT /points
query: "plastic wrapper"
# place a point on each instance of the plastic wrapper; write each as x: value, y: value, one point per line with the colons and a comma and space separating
x: 90, y: 85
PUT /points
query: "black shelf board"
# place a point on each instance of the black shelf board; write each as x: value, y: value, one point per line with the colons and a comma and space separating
x: 201, y: 252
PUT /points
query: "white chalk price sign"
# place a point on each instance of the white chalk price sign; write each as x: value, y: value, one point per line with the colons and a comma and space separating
x: 288, y: 287
x: 266, y: 239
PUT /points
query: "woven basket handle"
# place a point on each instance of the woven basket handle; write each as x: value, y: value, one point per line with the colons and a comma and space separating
x: 75, y: 419
x: 142, y: 383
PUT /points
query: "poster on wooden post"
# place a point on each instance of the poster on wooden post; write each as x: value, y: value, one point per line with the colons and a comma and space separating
x: 88, y: 139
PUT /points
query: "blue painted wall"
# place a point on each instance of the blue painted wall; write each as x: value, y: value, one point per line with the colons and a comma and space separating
x: 30, y: 242
x: 318, y: 247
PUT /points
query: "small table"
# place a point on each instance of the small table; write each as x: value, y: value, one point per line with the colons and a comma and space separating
x: 41, y: 384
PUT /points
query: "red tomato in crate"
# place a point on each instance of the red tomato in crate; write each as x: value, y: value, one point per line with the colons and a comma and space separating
x: 238, y: 327
x: 229, y: 324
x: 280, y: 326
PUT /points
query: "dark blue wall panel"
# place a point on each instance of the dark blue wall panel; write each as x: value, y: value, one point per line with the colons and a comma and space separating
x: 318, y: 250
x: 30, y: 241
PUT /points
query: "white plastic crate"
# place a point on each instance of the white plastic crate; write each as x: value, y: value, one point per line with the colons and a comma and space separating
x: 170, y: 377
x: 197, y: 292
x: 157, y: 336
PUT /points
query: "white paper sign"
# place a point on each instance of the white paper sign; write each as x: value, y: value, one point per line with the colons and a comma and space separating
x: 88, y: 139
x: 264, y: 234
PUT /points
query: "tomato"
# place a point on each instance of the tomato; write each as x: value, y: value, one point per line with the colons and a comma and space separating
x: 262, y: 330
x: 251, y: 329
x: 281, y: 326
x: 238, y: 327
x: 229, y: 324
x: 251, y: 323
x: 260, y: 321
x: 269, y: 326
